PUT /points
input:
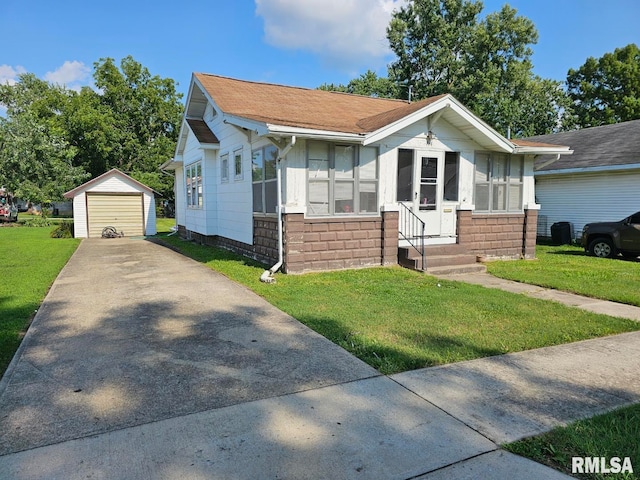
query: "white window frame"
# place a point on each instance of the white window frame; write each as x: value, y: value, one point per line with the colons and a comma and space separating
x: 237, y: 164
x: 193, y: 184
x: 224, y: 168
x: 359, y: 182
x: 263, y: 183
x: 511, y: 182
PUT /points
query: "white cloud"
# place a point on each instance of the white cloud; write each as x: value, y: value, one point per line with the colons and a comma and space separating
x: 70, y: 74
x: 345, y: 33
x: 9, y: 74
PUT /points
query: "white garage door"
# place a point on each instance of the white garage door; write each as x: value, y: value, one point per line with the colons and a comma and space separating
x: 124, y: 212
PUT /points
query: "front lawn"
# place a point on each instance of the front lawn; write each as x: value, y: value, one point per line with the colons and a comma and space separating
x: 568, y: 268
x: 31, y: 260
x: 396, y: 319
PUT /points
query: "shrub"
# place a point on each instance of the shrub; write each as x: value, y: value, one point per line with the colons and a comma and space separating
x: 63, y: 230
x: 38, y: 221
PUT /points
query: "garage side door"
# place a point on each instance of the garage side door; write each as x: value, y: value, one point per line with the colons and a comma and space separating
x: 124, y: 212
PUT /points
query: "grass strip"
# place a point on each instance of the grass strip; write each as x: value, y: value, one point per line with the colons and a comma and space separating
x: 569, y: 269
x: 30, y: 263
x: 613, y: 434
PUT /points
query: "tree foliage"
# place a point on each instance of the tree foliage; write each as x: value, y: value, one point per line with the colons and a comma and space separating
x: 368, y: 84
x: 130, y: 123
x: 606, y: 90
x: 54, y: 138
x: 36, y: 160
x: 432, y: 40
x: 442, y: 46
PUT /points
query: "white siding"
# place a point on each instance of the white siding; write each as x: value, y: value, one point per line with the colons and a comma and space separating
x: 180, y: 197
x: 80, y: 216
x: 294, y: 177
x: 584, y: 198
x: 227, y: 208
x: 150, y: 226
x: 448, y: 138
x: 195, y: 218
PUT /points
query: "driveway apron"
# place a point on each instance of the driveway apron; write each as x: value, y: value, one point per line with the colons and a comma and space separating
x: 132, y: 333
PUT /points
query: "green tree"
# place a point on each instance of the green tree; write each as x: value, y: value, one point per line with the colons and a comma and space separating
x: 35, y: 157
x: 368, y: 84
x: 131, y: 122
x: 442, y: 46
x: 606, y: 90
x: 432, y: 40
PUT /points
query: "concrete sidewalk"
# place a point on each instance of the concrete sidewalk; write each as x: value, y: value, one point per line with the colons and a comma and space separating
x: 142, y: 364
x: 585, y: 303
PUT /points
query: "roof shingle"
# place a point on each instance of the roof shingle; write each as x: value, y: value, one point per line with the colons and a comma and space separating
x: 303, y: 107
x: 617, y: 144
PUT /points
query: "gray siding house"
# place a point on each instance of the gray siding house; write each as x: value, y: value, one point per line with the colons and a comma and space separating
x: 599, y: 182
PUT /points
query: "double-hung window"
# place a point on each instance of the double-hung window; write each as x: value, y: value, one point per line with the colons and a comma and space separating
x: 237, y: 164
x: 498, y: 182
x: 194, y: 184
x: 263, y: 173
x: 343, y: 179
x: 224, y: 168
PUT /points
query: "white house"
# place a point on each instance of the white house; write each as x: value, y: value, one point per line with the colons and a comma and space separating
x: 113, y: 199
x: 599, y: 182
x: 317, y: 180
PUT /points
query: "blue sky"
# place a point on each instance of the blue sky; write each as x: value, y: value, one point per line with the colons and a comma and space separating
x: 292, y: 42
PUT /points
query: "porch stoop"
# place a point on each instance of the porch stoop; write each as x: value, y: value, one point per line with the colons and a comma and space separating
x: 441, y: 260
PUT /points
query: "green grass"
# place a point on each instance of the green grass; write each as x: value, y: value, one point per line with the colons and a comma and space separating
x: 396, y: 320
x: 31, y: 260
x: 613, y: 434
x: 163, y: 225
x: 570, y: 269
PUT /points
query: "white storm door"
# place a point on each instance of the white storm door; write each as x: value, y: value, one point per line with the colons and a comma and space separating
x: 427, y: 205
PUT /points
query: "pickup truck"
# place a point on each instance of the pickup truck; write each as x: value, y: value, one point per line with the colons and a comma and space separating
x: 8, y: 211
x: 608, y: 239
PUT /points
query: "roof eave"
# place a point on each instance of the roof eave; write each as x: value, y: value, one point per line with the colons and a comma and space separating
x: 310, y: 133
x: 543, y: 150
x: 598, y: 169
x: 99, y: 178
x: 260, y: 128
x: 171, y: 164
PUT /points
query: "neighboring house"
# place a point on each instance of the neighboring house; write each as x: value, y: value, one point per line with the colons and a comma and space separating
x: 353, y: 176
x: 599, y: 182
x: 113, y: 199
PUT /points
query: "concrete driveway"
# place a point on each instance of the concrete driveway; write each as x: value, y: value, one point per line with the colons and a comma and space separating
x: 133, y: 333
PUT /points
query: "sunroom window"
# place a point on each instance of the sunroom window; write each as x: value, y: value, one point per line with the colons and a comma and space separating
x: 343, y: 179
x: 263, y: 172
x: 193, y: 179
x: 498, y: 182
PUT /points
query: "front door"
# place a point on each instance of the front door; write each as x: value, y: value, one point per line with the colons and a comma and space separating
x: 420, y: 174
x: 428, y: 189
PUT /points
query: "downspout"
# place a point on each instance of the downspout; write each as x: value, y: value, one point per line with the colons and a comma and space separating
x: 267, y: 275
x: 548, y: 162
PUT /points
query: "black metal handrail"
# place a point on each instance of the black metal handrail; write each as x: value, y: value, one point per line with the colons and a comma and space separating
x: 411, y: 227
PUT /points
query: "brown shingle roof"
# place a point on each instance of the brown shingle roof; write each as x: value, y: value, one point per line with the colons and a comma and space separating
x: 202, y: 131
x: 305, y: 108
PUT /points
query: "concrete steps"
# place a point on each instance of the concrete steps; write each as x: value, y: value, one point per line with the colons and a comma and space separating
x: 441, y: 260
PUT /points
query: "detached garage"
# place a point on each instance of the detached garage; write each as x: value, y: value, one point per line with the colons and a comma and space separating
x: 113, y: 199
